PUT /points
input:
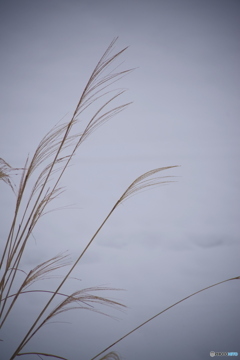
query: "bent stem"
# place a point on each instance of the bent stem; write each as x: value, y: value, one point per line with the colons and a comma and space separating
x: 43, y: 354
x: 161, y: 312
x: 143, y: 181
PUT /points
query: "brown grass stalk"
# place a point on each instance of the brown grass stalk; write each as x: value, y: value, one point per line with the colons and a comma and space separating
x: 48, y: 164
x: 160, y: 313
x: 51, y: 154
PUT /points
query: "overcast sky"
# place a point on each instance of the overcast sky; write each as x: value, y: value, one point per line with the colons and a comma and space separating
x: 160, y: 245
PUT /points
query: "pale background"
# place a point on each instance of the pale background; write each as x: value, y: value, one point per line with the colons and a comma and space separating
x: 161, y: 245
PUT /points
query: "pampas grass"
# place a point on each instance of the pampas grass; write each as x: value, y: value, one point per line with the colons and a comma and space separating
x: 39, y: 186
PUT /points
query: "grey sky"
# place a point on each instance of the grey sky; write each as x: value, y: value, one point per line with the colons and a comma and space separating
x: 160, y: 245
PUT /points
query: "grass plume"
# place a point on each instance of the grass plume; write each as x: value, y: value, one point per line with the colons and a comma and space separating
x: 45, y: 169
x: 48, y: 164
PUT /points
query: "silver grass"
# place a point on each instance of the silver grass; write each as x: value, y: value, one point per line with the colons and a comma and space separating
x: 53, y: 154
x: 5, y: 171
x: 48, y: 164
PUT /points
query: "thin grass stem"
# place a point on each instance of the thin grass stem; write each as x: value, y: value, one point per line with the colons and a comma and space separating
x: 161, y: 312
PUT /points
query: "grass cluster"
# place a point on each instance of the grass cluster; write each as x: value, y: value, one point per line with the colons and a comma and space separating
x: 38, y: 186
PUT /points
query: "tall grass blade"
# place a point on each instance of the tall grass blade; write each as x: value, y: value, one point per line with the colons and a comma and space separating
x: 161, y: 312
